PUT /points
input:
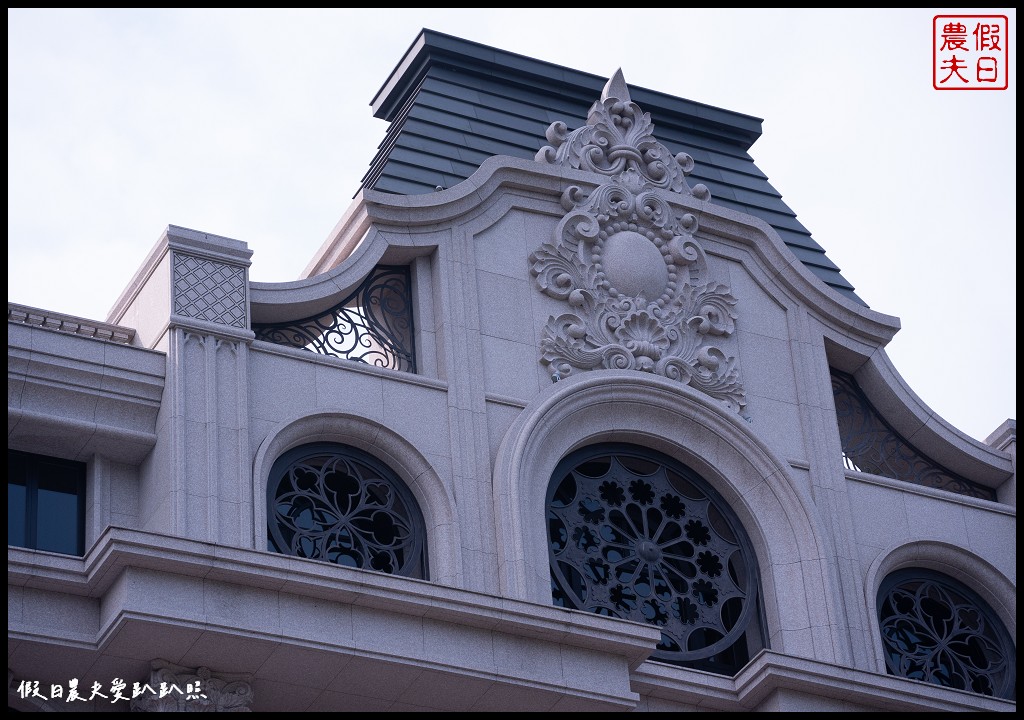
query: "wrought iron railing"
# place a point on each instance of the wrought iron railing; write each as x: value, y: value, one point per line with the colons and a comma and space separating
x: 373, y: 325
x: 871, y: 445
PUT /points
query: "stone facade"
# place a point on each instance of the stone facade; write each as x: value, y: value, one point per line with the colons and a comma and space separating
x: 590, y: 296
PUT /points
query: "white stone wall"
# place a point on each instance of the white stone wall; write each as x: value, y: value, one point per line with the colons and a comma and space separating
x: 181, y: 445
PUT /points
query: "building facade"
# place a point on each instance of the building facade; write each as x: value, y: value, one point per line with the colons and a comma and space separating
x: 556, y: 420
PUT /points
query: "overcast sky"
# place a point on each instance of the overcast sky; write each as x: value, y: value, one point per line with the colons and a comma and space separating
x: 256, y: 125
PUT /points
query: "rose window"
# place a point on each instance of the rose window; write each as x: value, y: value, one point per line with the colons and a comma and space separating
x: 937, y: 630
x: 635, y: 535
x: 335, y: 503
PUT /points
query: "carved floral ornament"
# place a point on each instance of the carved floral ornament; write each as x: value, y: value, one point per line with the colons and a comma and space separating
x: 634, y: 276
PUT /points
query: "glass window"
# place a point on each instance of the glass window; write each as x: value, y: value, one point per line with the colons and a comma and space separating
x: 634, y: 534
x: 333, y: 502
x: 45, y: 503
x: 936, y: 629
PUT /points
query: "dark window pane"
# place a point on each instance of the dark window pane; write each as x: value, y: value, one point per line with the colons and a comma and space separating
x: 16, y: 531
x: 936, y: 629
x: 57, y: 522
x: 45, y: 503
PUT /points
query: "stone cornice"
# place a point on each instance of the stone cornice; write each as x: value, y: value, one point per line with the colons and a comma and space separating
x: 118, y: 549
x: 77, y: 363
x: 83, y: 395
x: 69, y: 323
x: 770, y: 671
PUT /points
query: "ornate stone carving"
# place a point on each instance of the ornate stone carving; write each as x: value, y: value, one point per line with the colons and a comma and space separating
x: 172, y: 688
x: 209, y: 290
x: 630, y: 269
x: 618, y: 141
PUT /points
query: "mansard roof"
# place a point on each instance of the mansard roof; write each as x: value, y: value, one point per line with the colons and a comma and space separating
x: 453, y: 103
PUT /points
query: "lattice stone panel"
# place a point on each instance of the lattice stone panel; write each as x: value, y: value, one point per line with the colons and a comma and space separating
x: 209, y: 290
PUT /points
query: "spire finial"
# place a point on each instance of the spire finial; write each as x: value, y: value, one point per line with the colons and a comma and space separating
x: 616, y: 88
x: 618, y: 141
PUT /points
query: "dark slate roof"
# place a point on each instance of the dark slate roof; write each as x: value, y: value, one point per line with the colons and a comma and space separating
x: 453, y: 103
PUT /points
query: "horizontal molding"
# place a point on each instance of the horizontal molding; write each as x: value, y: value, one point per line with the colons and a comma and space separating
x: 119, y: 548
x: 904, y: 486
x: 69, y: 323
x: 770, y: 672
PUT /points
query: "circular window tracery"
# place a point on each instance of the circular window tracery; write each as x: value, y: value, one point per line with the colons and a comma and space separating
x: 937, y: 630
x: 333, y: 502
x: 635, y: 535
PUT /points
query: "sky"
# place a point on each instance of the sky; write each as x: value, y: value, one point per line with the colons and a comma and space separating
x: 256, y: 125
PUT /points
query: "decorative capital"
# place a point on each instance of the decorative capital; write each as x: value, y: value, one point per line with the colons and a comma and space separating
x: 618, y: 141
x: 209, y: 290
x: 173, y: 688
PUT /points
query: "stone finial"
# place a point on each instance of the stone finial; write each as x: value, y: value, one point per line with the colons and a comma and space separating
x: 618, y: 141
x: 616, y: 88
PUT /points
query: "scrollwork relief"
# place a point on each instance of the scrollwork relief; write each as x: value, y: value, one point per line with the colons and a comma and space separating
x: 173, y: 688
x: 629, y: 267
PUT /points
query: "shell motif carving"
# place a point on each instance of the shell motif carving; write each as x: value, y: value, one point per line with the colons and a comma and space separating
x: 630, y: 270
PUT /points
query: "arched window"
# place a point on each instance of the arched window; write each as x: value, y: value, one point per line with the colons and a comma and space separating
x: 333, y: 502
x: 936, y: 629
x: 634, y: 534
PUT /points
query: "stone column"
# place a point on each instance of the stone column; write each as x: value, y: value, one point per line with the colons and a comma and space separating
x: 208, y: 343
x: 190, y: 299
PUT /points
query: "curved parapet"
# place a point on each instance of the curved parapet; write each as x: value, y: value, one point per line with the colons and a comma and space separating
x: 273, y: 302
x: 920, y: 427
x: 381, y: 226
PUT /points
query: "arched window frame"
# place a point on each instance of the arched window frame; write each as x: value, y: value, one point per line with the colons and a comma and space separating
x: 359, y: 522
x: 742, y: 638
x: 920, y: 643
